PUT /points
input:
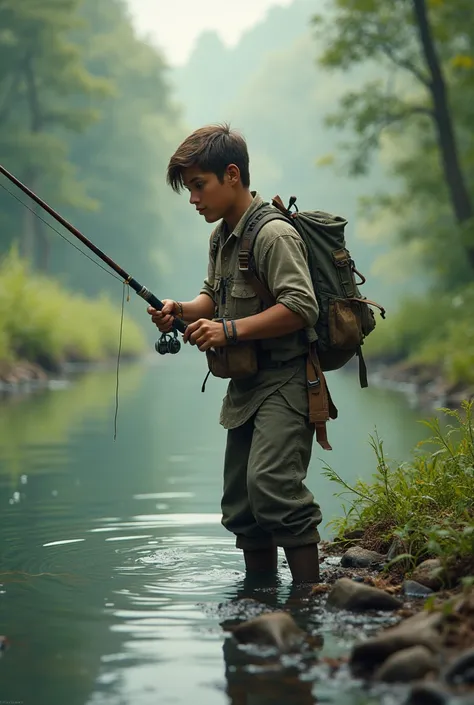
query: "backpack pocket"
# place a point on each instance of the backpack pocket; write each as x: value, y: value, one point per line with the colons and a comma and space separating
x: 345, y: 324
x: 367, y: 319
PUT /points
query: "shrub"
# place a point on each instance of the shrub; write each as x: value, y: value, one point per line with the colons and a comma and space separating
x: 428, y: 502
x: 42, y: 321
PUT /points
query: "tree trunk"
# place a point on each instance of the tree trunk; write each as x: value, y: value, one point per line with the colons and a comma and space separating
x: 453, y: 173
x: 36, y: 227
x: 11, y: 92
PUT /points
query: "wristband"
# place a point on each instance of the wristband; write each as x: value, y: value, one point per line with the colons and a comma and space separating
x: 231, y: 338
x: 180, y: 309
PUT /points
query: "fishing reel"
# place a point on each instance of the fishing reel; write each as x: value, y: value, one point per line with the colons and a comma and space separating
x: 168, y: 343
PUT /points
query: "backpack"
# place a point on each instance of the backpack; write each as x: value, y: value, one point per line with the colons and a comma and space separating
x: 345, y: 317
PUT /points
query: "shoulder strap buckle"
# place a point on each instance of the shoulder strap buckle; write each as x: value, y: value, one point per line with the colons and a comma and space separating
x: 244, y: 260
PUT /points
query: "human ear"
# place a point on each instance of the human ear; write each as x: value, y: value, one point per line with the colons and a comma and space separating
x: 233, y: 174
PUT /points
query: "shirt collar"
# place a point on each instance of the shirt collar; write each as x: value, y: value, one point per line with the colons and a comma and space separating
x: 257, y: 201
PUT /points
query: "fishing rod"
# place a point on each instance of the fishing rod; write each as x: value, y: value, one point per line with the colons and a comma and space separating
x: 171, y: 345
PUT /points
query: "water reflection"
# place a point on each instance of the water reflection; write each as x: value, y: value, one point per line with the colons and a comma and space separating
x: 117, y: 579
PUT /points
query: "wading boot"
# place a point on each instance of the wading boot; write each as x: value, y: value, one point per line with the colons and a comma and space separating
x: 303, y: 562
x: 264, y: 560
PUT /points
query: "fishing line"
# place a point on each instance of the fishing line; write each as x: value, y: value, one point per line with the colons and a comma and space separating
x: 103, y: 269
x: 59, y: 233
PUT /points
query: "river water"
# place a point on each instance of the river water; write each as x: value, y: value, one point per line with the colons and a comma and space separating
x: 116, y: 576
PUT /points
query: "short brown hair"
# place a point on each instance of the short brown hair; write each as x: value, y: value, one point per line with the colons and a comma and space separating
x: 211, y: 148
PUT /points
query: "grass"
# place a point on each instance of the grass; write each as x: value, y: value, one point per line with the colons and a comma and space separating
x: 41, y: 321
x: 427, y: 503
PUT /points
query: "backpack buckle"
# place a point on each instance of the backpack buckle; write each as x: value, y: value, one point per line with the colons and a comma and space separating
x: 244, y: 258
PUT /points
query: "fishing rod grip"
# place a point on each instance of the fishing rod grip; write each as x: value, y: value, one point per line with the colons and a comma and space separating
x: 178, y: 323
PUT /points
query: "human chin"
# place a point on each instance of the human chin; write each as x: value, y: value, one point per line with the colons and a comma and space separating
x: 211, y: 216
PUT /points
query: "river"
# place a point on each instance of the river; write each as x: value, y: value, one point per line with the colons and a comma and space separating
x: 115, y: 571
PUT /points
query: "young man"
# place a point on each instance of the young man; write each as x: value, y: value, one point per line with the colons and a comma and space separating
x: 269, y: 438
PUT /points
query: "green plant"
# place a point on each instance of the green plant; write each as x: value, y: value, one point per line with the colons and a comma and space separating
x: 404, y: 499
x: 42, y: 321
x: 448, y: 541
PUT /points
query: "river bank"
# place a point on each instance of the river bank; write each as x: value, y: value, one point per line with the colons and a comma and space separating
x: 425, y: 385
x: 23, y: 377
x: 404, y: 642
x: 62, y: 327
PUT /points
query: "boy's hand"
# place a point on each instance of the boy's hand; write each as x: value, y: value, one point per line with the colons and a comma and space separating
x: 205, y: 334
x: 163, y: 319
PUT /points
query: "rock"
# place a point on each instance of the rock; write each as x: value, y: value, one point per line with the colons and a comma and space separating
x: 419, y: 630
x: 348, y: 595
x: 420, y: 620
x: 353, y: 534
x: 397, y: 547
x: 276, y: 629
x: 357, y: 557
x: 430, y: 574
x: 407, y: 665
x: 427, y: 694
x: 413, y: 589
x: 461, y: 669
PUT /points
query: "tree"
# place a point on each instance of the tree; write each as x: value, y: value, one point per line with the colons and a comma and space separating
x: 122, y: 158
x: 436, y: 84
x: 403, y: 38
x: 42, y: 81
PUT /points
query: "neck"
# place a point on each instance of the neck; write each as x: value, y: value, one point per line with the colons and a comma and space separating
x: 238, y: 209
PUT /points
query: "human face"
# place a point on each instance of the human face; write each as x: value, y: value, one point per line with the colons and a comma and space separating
x: 211, y: 198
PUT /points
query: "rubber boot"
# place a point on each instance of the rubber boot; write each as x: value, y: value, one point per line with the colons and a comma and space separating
x: 261, y: 561
x: 303, y: 562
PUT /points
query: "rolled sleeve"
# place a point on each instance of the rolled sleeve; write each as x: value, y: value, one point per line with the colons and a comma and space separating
x: 207, y: 289
x: 286, y: 272
x: 208, y: 286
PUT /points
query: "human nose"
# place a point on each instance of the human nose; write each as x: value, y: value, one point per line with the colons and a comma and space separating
x: 193, y: 199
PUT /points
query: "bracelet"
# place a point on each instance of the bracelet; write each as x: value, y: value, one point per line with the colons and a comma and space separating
x: 231, y: 338
x: 180, y: 309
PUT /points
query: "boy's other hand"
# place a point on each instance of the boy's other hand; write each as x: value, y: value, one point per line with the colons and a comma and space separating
x: 163, y: 319
x: 205, y: 334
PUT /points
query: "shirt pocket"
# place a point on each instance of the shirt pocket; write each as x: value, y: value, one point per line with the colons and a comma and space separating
x: 244, y: 301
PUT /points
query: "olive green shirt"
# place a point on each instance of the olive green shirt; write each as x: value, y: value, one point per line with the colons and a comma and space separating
x: 280, y: 259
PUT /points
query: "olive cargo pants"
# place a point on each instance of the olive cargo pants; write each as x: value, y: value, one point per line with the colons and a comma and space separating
x: 265, y: 501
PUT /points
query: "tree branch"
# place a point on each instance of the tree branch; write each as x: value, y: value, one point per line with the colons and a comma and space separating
x: 408, y: 112
x: 370, y: 135
x: 405, y: 64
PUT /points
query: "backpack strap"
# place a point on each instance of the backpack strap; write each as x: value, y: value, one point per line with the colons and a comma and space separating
x: 262, y: 216
x: 253, y: 226
x: 362, y: 369
x: 321, y: 406
x: 214, y: 244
